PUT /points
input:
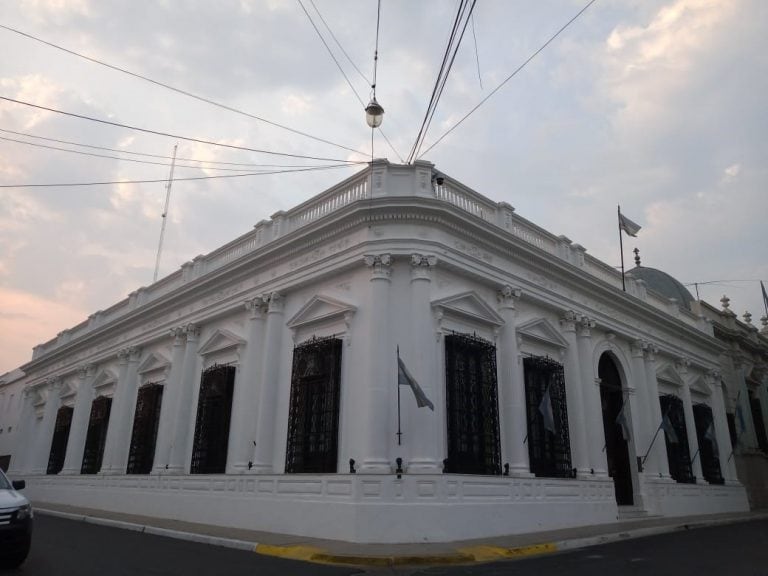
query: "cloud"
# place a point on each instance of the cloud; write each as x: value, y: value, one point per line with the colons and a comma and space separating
x: 27, y: 320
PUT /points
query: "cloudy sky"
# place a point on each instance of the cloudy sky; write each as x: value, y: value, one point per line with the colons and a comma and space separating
x: 657, y: 105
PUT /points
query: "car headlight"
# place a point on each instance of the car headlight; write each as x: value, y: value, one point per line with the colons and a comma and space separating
x: 24, y: 512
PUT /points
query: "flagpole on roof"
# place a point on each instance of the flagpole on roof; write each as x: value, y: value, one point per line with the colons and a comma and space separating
x: 621, y: 248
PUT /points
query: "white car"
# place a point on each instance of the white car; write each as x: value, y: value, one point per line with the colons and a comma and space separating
x: 15, y: 523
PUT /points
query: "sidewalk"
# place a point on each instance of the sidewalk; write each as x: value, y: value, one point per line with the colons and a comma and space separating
x: 336, y: 552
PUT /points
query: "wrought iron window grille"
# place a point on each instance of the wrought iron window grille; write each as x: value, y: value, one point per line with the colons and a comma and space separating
x: 678, y: 453
x: 708, y: 450
x: 471, y: 405
x: 144, y: 434
x: 96, y: 436
x: 214, y: 410
x: 313, y: 417
x: 757, y: 419
x: 60, y: 438
x: 549, y: 452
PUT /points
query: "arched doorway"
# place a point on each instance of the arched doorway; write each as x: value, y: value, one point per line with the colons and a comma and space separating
x: 616, y: 430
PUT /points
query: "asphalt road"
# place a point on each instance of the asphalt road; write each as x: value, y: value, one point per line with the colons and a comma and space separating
x: 732, y: 550
x: 72, y: 548
x: 68, y: 548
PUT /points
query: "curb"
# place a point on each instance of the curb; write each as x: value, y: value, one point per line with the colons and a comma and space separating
x: 465, y: 555
x: 154, y: 530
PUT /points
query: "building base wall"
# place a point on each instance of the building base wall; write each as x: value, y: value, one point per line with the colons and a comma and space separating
x: 668, y: 498
x: 374, y: 508
x: 752, y: 470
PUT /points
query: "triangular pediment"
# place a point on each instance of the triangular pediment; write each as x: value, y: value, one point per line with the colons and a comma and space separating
x: 220, y: 340
x: 667, y: 373
x: 104, y: 377
x: 153, y: 362
x: 68, y: 390
x: 469, y: 305
x: 700, y: 386
x: 542, y: 330
x: 320, y: 309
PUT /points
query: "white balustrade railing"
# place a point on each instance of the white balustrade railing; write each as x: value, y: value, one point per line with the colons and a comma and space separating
x: 353, y: 190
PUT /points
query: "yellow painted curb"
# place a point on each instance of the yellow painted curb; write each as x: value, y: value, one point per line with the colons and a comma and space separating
x: 463, y: 555
x: 291, y: 552
x: 490, y: 553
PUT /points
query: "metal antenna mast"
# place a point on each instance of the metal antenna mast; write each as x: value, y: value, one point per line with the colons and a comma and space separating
x: 165, y: 212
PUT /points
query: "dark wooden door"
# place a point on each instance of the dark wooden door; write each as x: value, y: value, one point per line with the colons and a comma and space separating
x: 616, y: 446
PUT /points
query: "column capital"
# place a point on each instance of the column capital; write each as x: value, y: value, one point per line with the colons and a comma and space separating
x: 55, y: 383
x: 568, y: 320
x: 257, y: 307
x: 585, y: 325
x: 134, y: 353
x: 421, y: 266
x: 507, y: 295
x: 85, y: 370
x: 650, y: 353
x: 380, y: 265
x: 681, y: 365
x: 637, y: 348
x: 178, y: 335
x: 122, y: 355
x: 276, y: 302
x: 192, y: 331
x: 27, y: 393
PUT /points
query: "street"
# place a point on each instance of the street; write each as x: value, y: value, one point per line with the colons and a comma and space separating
x: 68, y: 548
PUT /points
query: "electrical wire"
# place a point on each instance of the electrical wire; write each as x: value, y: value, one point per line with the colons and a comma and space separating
x: 508, y: 78
x: 338, y: 65
x: 338, y: 43
x: 165, y: 180
x: 148, y: 155
x: 177, y: 90
x: 134, y: 160
x: 477, y: 54
x: 332, y: 55
x: 449, y: 57
x: 169, y: 135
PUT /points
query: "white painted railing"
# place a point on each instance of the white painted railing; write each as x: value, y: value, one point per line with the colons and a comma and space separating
x: 348, y: 192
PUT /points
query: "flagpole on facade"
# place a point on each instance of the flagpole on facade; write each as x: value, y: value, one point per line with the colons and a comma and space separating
x: 399, y: 432
x: 653, y: 441
x: 621, y: 247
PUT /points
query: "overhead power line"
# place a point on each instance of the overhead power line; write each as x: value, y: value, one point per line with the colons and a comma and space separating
x: 134, y: 160
x: 112, y: 182
x: 177, y: 136
x: 508, y: 78
x: 463, y: 15
x: 177, y: 90
x: 338, y: 65
x: 148, y: 155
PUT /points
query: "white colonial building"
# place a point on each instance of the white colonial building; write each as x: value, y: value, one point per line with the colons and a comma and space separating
x: 257, y: 386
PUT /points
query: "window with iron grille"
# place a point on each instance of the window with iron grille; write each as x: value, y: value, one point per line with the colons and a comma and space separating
x: 144, y: 434
x: 678, y: 452
x: 472, y: 406
x: 313, y: 417
x: 549, y: 446
x: 757, y: 418
x: 96, y: 436
x: 214, y: 409
x: 708, y: 451
x: 60, y: 438
x: 731, y: 418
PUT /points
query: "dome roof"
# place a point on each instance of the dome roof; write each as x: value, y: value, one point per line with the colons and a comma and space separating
x: 664, y: 284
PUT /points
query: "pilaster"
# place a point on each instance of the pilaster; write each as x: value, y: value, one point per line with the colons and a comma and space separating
x: 593, y: 420
x: 690, y: 421
x: 177, y: 461
x: 122, y: 413
x: 73, y: 461
x: 574, y: 395
x: 659, y: 450
x: 170, y: 402
x: 244, y: 401
x: 42, y: 445
x: 379, y: 369
x: 22, y: 460
x: 263, y: 458
x: 425, y: 454
x: 513, y: 418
